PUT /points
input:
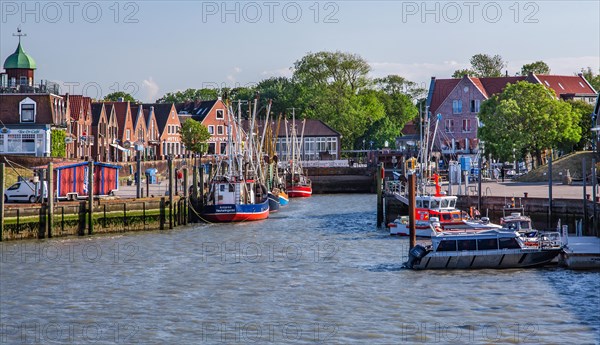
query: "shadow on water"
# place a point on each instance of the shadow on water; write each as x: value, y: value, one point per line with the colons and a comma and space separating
x: 576, y: 289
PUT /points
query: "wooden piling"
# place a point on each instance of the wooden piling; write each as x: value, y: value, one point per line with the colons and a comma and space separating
x: 412, y: 185
x: 170, y: 167
x: 185, y: 196
x: 380, y: 176
x: 596, y: 231
x: 50, y: 194
x: 585, y: 213
x: 162, y: 214
x: 138, y: 185
x: 90, y: 197
x: 1, y: 201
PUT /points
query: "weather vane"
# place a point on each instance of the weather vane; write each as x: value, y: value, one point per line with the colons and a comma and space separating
x: 19, y: 34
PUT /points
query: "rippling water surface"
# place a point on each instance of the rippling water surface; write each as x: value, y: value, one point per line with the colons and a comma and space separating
x: 317, y: 272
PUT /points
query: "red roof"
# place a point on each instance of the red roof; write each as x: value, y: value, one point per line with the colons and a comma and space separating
x: 441, y: 90
x: 120, y: 114
x: 75, y: 106
x: 493, y: 86
x: 562, y: 84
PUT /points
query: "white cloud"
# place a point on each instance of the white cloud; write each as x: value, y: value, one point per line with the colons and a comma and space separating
x: 237, y: 69
x: 278, y: 72
x: 149, y: 90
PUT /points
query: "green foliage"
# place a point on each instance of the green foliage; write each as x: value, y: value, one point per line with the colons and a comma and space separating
x: 538, y: 67
x: 585, y: 111
x: 483, y: 65
x: 527, y: 118
x: 591, y: 77
x: 58, y: 147
x: 194, y: 136
x: 114, y: 97
x: 189, y: 95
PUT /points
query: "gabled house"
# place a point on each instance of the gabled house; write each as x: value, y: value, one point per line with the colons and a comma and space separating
x: 212, y: 114
x: 153, y: 135
x: 453, y: 104
x: 168, y: 126
x: 126, y: 137
x: 100, y: 132
x: 113, y: 132
x: 28, y: 121
x: 139, y: 127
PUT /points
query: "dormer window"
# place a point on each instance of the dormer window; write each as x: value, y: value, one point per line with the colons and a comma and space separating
x: 27, y: 110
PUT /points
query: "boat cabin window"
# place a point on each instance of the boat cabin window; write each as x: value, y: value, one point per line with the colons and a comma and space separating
x: 446, y: 216
x: 512, y: 226
x: 447, y: 246
x: 221, y: 187
x: 455, y: 216
x: 467, y: 245
x: 445, y: 203
x: 487, y: 244
x: 231, y: 187
x: 508, y: 243
x: 420, y: 203
x: 434, y: 204
x: 525, y: 225
x: 452, y: 203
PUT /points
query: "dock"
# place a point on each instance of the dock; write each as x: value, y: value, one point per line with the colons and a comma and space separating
x: 581, y: 253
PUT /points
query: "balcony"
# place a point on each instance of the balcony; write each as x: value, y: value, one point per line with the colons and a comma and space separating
x: 44, y: 86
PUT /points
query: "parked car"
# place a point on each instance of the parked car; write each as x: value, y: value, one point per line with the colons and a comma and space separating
x: 27, y: 191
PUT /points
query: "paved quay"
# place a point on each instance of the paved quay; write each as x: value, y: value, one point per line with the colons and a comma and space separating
x: 533, y: 189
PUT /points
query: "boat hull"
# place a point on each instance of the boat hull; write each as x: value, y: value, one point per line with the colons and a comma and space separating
x: 283, y: 199
x: 235, y: 213
x: 299, y: 191
x: 507, y: 259
x: 273, y: 202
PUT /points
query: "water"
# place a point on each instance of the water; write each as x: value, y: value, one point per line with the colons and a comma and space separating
x: 317, y: 272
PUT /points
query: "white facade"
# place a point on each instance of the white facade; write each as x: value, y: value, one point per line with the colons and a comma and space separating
x: 34, y: 142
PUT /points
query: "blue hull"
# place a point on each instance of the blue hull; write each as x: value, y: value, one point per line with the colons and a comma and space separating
x: 273, y: 202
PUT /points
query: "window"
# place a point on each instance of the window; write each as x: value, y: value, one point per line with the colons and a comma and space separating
x: 456, y: 106
x: 128, y: 134
x: 220, y: 114
x: 447, y: 246
x: 487, y: 244
x: 219, y: 130
x: 508, y: 243
x: 475, y: 105
x: 223, y: 148
x: 449, y: 126
x: 211, y: 129
x: 27, y: 112
x: 15, y: 186
x: 211, y: 148
x: 23, y: 80
x: 466, y: 125
x: 467, y: 245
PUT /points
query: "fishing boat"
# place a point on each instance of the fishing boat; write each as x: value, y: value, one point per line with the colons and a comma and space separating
x: 485, y: 249
x: 283, y: 198
x: 298, y: 184
x: 235, y: 191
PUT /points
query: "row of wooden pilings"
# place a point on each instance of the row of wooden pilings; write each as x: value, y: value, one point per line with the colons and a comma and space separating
x: 48, y: 204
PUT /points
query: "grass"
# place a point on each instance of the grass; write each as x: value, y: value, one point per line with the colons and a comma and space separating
x: 12, y: 175
x: 97, y: 215
x: 572, y: 162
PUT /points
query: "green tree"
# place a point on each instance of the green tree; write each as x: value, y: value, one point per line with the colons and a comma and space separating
x: 116, y: 96
x: 538, y: 67
x: 585, y: 111
x: 527, y: 118
x: 459, y: 73
x: 189, y: 95
x: 194, y: 136
x: 58, y: 147
x: 337, y: 69
x: 591, y: 77
x: 483, y: 65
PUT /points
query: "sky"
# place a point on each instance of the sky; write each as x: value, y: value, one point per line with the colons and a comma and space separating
x: 149, y: 48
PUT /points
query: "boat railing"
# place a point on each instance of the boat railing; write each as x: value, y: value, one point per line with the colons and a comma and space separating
x: 395, y: 187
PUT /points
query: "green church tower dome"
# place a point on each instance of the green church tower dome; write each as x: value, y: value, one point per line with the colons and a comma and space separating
x: 19, y: 59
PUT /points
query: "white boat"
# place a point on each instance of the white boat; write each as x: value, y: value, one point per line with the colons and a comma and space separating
x: 484, y: 249
x: 432, y: 226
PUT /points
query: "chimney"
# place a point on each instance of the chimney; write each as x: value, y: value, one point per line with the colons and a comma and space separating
x: 506, y: 73
x: 219, y: 98
x: 121, y: 99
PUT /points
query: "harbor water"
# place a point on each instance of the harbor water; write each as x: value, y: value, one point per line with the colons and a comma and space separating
x: 317, y: 272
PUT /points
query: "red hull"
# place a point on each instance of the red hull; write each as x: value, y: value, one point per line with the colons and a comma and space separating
x: 299, y: 191
x: 238, y: 217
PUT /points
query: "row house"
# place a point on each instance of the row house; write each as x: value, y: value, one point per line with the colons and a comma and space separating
x: 166, y: 131
x: 79, y: 126
x: 453, y: 104
x: 212, y: 114
x: 105, y: 129
x: 125, y: 138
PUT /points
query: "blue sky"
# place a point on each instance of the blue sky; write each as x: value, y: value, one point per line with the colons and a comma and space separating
x: 149, y: 48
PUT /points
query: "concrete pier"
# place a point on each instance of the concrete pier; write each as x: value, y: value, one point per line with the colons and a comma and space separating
x: 581, y: 253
